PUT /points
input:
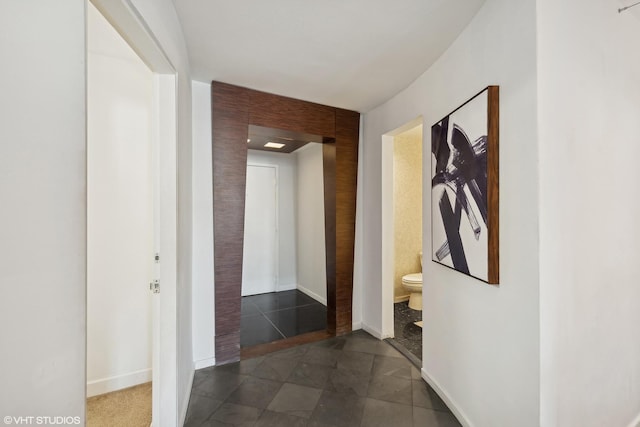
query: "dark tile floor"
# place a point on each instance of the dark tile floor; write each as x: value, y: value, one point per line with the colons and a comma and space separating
x: 407, y: 333
x: 354, y: 380
x: 277, y: 315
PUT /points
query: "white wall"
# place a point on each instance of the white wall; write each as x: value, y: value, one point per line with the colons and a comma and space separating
x: 44, y: 204
x: 119, y: 212
x: 481, y: 342
x: 42, y: 219
x: 287, y: 253
x: 312, y: 272
x: 589, y: 210
x: 203, y: 301
x: 358, y: 264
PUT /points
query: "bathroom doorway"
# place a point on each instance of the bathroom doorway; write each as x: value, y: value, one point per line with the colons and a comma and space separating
x: 402, y: 238
x: 284, y: 287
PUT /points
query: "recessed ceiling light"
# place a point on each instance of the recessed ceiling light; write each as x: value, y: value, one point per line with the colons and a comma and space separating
x: 248, y: 140
x: 273, y: 145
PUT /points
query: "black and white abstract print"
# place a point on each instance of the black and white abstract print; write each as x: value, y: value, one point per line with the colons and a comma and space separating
x: 459, y: 189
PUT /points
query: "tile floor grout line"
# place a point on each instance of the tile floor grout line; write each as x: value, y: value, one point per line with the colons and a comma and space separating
x: 417, y: 407
x: 304, y: 306
x: 272, y: 324
x: 290, y: 308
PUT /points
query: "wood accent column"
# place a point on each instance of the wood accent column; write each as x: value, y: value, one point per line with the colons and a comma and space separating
x: 230, y: 118
x: 329, y: 178
x: 347, y: 137
x: 233, y: 110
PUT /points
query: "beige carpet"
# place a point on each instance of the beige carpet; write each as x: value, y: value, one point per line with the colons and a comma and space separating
x: 130, y: 407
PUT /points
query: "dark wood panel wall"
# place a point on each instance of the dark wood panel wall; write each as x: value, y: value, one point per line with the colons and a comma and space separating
x: 233, y: 110
x: 230, y: 115
x: 329, y: 178
x: 274, y: 111
x: 347, y: 136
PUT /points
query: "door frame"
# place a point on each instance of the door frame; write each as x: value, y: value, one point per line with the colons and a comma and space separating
x: 387, y: 227
x: 234, y: 109
x: 128, y: 22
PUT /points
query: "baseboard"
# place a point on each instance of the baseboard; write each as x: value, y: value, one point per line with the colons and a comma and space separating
x: 635, y: 422
x: 204, y: 363
x: 372, y: 331
x: 312, y: 295
x: 185, y: 399
x: 289, y: 287
x: 453, y: 406
x: 356, y: 326
x: 401, y: 299
x: 375, y: 332
x: 118, y: 382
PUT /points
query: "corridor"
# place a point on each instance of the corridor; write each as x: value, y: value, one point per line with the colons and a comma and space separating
x: 354, y: 380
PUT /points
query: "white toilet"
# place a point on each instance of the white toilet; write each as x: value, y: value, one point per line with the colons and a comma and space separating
x: 413, y: 284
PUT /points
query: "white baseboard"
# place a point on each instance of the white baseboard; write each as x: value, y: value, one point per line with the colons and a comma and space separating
x: 185, y: 399
x: 356, y: 326
x: 118, y: 382
x: 402, y: 298
x: 453, y: 406
x: 635, y: 422
x: 376, y: 333
x: 204, y: 363
x: 372, y: 331
x: 313, y: 295
x: 289, y: 287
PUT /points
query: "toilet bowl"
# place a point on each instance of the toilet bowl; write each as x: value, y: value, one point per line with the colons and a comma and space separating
x: 412, y: 283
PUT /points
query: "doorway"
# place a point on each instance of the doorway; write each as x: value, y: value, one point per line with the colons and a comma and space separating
x: 284, y: 287
x: 120, y: 215
x: 234, y: 111
x: 160, y: 193
x: 402, y: 238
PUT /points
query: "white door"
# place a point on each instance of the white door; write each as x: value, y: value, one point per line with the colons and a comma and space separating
x: 259, y: 273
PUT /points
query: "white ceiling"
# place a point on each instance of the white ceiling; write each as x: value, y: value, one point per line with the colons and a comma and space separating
x: 352, y: 54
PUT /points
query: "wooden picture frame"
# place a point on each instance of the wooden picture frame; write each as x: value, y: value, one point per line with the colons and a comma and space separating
x: 465, y: 204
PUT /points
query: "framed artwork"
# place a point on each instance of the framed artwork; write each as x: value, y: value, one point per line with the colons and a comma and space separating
x: 464, y: 188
